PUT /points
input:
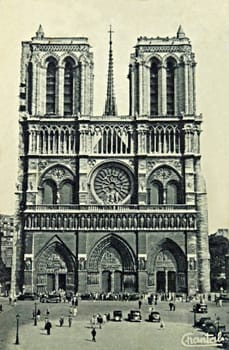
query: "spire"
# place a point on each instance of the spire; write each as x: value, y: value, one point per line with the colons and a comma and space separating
x: 110, y: 104
x: 40, y: 33
x: 180, y: 33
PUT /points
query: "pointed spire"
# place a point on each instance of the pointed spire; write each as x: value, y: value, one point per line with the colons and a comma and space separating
x: 180, y: 33
x: 110, y: 104
x: 40, y: 33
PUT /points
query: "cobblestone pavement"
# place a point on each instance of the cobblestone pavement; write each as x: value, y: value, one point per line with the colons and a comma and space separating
x: 112, y: 336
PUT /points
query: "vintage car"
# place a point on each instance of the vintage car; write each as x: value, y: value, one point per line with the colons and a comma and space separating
x: 213, y: 327
x: 154, y: 316
x: 117, y: 315
x: 50, y: 298
x: 135, y: 316
x: 200, y: 308
x: 201, y: 322
x: 27, y: 296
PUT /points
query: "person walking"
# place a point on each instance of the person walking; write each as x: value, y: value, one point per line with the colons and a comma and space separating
x: 48, y: 326
x: 139, y: 304
x: 61, y: 320
x: 93, y: 333
x: 74, y: 311
x: 70, y: 321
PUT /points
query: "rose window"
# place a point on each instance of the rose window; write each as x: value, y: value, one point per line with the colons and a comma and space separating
x: 112, y: 185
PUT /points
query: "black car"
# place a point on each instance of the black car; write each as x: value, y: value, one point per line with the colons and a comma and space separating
x: 135, y: 316
x: 200, y: 308
x: 51, y: 298
x: 154, y: 316
x: 199, y: 323
x: 27, y: 296
x: 117, y: 315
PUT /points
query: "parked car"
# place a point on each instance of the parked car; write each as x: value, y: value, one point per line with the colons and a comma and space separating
x: 27, y: 296
x: 135, y: 316
x: 213, y: 327
x: 200, y: 308
x: 202, y: 321
x: 154, y: 316
x: 117, y: 315
x: 50, y: 298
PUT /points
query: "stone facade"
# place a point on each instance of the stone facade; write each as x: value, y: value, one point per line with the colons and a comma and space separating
x: 110, y: 203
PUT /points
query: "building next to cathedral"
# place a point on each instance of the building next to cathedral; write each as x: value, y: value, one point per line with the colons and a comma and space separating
x: 110, y: 203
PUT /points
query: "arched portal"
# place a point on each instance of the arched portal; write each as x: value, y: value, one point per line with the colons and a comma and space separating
x: 55, y: 269
x: 167, y: 267
x: 111, y: 266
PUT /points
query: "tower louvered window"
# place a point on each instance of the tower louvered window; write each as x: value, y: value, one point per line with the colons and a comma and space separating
x: 51, y: 87
x: 154, y: 87
x: 30, y: 87
x: 68, y: 88
x: 170, y: 86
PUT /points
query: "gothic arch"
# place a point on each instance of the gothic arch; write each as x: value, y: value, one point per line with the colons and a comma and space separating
x: 45, y: 57
x: 172, y: 56
x: 152, y: 56
x: 65, y: 56
x: 47, y: 173
x: 116, y: 243
x: 54, y: 267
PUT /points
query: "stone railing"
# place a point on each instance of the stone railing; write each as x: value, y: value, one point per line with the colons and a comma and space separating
x: 109, y: 208
x: 123, y: 221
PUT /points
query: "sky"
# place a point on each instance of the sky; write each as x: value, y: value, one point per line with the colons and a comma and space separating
x: 205, y: 22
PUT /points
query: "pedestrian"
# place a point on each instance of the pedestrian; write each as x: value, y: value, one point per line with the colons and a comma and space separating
x: 74, y: 311
x: 162, y: 325
x: 48, y: 326
x: 220, y: 302
x: 38, y: 314
x: 47, y: 312
x: 70, y: 321
x: 61, y: 320
x: 100, y: 320
x: 139, y: 304
x: 93, y: 333
x: 10, y: 300
x: 170, y: 306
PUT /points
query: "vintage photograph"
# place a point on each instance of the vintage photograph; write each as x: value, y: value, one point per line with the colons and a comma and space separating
x: 114, y: 206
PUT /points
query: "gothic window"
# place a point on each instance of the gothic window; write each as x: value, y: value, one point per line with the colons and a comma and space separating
x: 30, y: 87
x: 49, y: 192
x: 51, y: 86
x: 172, y: 193
x: 154, y: 87
x: 156, y: 193
x: 66, y: 193
x: 68, y: 87
x: 170, y: 86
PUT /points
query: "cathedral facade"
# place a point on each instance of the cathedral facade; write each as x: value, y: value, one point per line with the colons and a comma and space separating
x: 110, y: 203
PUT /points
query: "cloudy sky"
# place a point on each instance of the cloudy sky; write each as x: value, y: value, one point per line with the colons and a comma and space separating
x: 205, y: 22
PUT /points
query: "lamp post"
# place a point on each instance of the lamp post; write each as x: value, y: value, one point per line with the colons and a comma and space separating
x: 35, y: 314
x: 194, y: 316
x: 17, y: 330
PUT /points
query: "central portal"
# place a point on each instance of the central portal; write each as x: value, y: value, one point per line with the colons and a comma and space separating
x: 111, y: 266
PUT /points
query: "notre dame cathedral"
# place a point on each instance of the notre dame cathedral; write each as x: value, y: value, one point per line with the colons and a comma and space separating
x: 110, y: 203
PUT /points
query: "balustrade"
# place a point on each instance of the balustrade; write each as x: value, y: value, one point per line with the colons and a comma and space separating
x: 109, y: 221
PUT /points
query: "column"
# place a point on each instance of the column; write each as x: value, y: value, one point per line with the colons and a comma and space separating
x: 141, y: 99
x: 82, y: 100
x: 163, y: 97
x: 186, y: 88
x: 60, y: 91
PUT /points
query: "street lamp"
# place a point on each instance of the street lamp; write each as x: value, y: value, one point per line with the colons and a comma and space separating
x: 194, y: 315
x: 17, y: 330
x: 35, y: 314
